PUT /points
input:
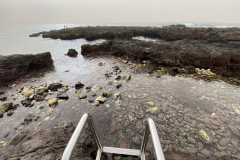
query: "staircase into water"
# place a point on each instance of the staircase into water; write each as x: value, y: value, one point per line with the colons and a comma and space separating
x: 111, y: 151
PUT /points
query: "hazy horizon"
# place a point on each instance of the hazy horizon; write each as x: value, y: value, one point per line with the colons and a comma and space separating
x: 119, y: 12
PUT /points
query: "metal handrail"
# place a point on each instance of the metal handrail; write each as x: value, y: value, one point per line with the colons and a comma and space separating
x: 150, y: 129
x: 150, y: 126
x: 71, y: 144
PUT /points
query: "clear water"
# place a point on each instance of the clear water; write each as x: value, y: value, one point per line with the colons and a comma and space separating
x: 185, y: 105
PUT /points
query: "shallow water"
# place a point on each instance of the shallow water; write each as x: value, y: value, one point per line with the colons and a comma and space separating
x: 184, y: 105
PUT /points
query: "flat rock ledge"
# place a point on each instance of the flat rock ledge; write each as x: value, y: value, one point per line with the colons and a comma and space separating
x: 15, y: 66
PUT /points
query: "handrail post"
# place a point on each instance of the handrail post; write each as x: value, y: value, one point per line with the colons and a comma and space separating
x: 93, y: 129
x: 151, y: 129
x: 71, y: 144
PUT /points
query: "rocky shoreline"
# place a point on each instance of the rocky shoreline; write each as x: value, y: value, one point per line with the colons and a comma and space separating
x: 16, y: 66
x: 189, y: 128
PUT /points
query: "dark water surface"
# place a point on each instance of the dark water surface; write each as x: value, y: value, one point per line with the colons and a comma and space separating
x: 180, y: 107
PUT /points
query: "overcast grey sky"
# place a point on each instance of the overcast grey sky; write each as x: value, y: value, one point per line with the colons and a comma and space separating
x: 118, y: 11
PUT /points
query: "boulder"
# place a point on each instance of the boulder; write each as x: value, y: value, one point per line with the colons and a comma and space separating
x: 15, y: 66
x: 72, y: 53
x: 6, y: 106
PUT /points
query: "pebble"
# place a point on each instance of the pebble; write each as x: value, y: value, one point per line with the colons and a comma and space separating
x: 62, y: 96
x: 205, y: 153
x: 82, y: 96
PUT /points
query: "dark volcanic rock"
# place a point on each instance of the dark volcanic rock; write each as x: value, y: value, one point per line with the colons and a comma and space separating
x: 72, y: 53
x: 15, y: 66
x: 183, y: 56
x: 62, y: 96
x: 79, y: 85
x: 48, y: 144
x: 54, y: 86
x: 38, y: 97
x: 1, y: 114
x: 169, y: 33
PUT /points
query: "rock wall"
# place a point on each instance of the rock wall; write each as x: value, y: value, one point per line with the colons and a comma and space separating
x: 15, y: 66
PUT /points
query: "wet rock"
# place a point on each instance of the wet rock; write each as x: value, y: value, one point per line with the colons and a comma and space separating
x: 19, y: 137
x: 52, y: 102
x: 117, y: 95
x: 10, y: 113
x: 108, y: 74
x: 153, y: 110
x: 62, y: 96
x: 2, y: 144
x: 29, y: 119
x: 97, y: 103
x: 127, y: 77
x: 138, y: 126
x: 41, y: 91
x: 15, y: 66
x: 224, y: 141
x: 151, y: 103
x: 38, y: 97
x: 106, y: 94
x: 205, y: 153
x: 118, y: 86
x: 123, y: 143
x: 90, y: 101
x: 82, y: 96
x: 136, y: 140
x: 204, y: 137
x: 116, y: 68
x: 79, y: 85
x: 192, y: 140
x: 72, y: 53
x: 6, y: 106
x: 1, y: 92
x: 100, y: 99
x: 88, y: 88
x: 3, y: 98
x: 100, y: 64
x: 118, y: 77
x: 191, y: 150
x: 28, y: 92
x: 27, y: 103
x: 54, y: 86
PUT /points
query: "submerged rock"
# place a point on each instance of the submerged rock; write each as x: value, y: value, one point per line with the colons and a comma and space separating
x: 153, y: 110
x: 29, y: 119
x: 204, y: 137
x: 72, y: 53
x: 6, y: 106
